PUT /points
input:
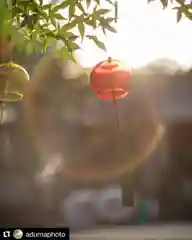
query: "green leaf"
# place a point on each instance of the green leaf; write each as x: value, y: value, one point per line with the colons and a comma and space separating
x: 80, y: 18
x: 74, y: 46
x: 88, y: 2
x: 34, y: 35
x: 149, y: 1
x: 80, y: 6
x: 72, y: 58
x: 34, y: 18
x: 102, y: 12
x: 110, y: 19
x: 183, y: 9
x: 81, y: 28
x: 189, y: 6
x: 181, y: 2
x: 98, y: 2
x: 92, y: 22
x: 111, y: 29
x: 179, y: 15
x: 73, y: 38
x: 47, y: 31
x: 104, y: 31
x: 49, y: 42
x: 16, y: 11
x: 110, y: 2
x: 45, y: 19
x: 116, y: 11
x: 47, y: 6
x: 164, y: 3
x: 71, y: 10
x: 59, y: 16
x: 61, y: 6
x: 67, y: 34
x: 188, y: 15
x: 53, y: 21
x: 100, y: 44
x: 95, y: 8
x: 70, y: 25
x: 105, y: 24
x: 64, y: 54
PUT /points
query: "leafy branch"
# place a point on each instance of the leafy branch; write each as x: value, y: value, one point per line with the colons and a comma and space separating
x: 181, y: 6
x: 36, y: 25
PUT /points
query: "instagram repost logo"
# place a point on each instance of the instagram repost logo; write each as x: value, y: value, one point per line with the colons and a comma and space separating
x: 18, y: 234
x: 6, y: 234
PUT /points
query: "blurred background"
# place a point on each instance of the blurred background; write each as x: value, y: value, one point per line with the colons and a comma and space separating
x: 160, y: 190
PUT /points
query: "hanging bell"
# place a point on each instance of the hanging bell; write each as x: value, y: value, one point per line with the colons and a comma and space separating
x: 110, y: 79
x: 13, y: 80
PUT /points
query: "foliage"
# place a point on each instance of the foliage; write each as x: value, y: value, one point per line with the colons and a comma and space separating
x: 34, y: 25
x: 38, y: 25
x: 182, y: 7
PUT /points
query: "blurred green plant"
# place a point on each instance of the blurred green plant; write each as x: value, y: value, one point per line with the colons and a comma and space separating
x: 33, y: 25
x: 182, y: 7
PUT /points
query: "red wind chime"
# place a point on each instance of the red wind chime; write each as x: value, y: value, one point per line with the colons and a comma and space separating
x: 110, y: 80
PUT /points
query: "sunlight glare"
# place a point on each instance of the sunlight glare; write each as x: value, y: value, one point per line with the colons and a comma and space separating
x: 145, y: 33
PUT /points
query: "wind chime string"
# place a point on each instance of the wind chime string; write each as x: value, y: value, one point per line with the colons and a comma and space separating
x: 110, y: 80
x: 116, y: 110
x: 114, y: 99
x: 82, y: 113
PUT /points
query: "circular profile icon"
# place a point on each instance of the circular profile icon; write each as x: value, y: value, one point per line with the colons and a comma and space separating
x: 17, y: 234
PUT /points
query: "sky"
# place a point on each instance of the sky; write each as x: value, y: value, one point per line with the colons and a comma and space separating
x: 145, y: 33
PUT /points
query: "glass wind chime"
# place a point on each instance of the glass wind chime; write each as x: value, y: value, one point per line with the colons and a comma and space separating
x: 110, y: 80
x: 13, y: 79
